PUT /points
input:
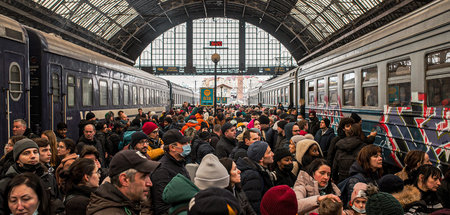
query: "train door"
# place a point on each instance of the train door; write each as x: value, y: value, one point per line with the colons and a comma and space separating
x: 56, y: 98
x: 291, y: 94
x: 16, y: 98
x: 301, y: 97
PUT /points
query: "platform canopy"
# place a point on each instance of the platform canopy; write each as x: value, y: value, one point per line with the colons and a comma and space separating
x: 123, y: 28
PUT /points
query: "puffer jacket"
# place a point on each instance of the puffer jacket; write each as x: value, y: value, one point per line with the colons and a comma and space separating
x: 77, y: 199
x: 178, y: 192
x: 239, y: 152
x: 225, y: 146
x: 288, y: 134
x: 255, y: 181
x: 109, y: 200
x: 347, y: 150
x: 368, y: 178
x: 307, y: 192
x: 246, y: 208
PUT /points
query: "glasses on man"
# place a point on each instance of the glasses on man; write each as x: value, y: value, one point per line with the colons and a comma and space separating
x: 155, y: 132
x: 144, y: 141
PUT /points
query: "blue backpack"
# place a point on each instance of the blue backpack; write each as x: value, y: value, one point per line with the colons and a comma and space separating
x: 344, y: 187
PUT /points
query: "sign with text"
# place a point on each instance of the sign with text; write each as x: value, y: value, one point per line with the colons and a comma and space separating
x: 168, y: 69
x: 222, y: 100
x: 207, y: 96
x: 215, y: 43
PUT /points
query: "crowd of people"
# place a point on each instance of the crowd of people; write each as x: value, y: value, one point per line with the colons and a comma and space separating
x: 241, y: 160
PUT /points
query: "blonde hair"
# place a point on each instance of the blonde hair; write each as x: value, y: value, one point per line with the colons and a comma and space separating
x: 53, y: 144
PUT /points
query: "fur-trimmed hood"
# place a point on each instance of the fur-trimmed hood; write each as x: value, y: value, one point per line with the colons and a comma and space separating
x: 408, y: 195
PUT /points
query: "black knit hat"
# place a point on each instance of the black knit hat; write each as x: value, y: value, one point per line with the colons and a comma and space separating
x: 214, y: 201
x: 226, y: 126
x: 264, y: 120
x: 391, y: 184
x: 136, y: 137
x: 90, y: 115
x: 280, y: 153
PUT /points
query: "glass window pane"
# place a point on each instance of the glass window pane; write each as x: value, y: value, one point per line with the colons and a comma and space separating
x: 370, y: 96
x: 116, y: 94
x: 321, y: 96
x: 311, y: 98
x: 141, y: 95
x: 15, y: 82
x: 333, y: 81
x: 70, y: 91
x: 321, y: 83
x: 333, y: 96
x: 399, y: 94
x: 399, y: 68
x: 349, y: 97
x: 103, y: 93
x: 55, y: 88
x: 135, y: 95
x: 370, y: 74
x: 147, y: 93
x: 126, y: 94
x: 438, y: 92
x: 87, y: 91
x: 349, y: 78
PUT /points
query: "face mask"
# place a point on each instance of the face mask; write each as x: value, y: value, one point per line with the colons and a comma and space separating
x: 186, y: 150
x: 361, y: 211
x: 288, y: 167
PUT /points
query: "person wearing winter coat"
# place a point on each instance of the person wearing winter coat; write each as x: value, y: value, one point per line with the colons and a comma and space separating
x: 291, y: 129
x: 282, y: 166
x: 368, y: 168
x: 89, y: 138
x: 344, y: 125
x: 314, y: 124
x: 178, y: 193
x: 201, y: 146
x: 346, y: 151
x: 256, y: 178
x: 235, y: 186
x: 249, y: 137
x: 307, y: 150
x: 130, y: 185
x: 155, y: 144
x: 81, y: 180
x: 426, y: 179
x: 227, y: 141
x: 444, y: 189
x: 314, y: 185
x: 134, y: 126
x: 324, y: 135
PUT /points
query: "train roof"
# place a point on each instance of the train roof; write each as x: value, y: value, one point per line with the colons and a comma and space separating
x: 58, y: 45
x: 11, y: 29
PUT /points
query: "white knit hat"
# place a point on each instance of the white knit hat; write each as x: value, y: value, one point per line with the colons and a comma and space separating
x: 211, y: 173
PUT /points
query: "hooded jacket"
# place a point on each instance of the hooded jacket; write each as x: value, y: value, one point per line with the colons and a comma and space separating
x: 288, y: 134
x: 307, y: 192
x: 178, y: 193
x: 109, y: 200
x: 300, y: 150
x: 239, y: 152
x: 324, y: 140
x: 347, y: 150
x: 64, y: 165
x: 83, y: 141
x: 255, y: 181
x: 77, y: 199
x: 191, y: 124
x: 371, y: 177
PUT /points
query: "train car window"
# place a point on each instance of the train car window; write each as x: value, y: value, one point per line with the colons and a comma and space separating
x: 333, y: 90
x: 135, y: 96
x: 311, y: 92
x: 15, y: 82
x: 438, y: 59
x: 126, y: 94
x: 321, y: 91
x: 399, y: 94
x: 103, y: 93
x: 286, y: 95
x: 399, y: 68
x: 115, y: 93
x: 370, y: 86
x: 70, y: 91
x: 157, y: 97
x: 87, y: 91
x: 281, y: 95
x: 147, y: 93
x: 56, y: 88
x: 399, y: 88
x: 438, y: 92
x: 349, y: 89
x: 141, y: 95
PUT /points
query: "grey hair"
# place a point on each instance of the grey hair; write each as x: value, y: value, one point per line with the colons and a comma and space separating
x: 130, y: 173
x: 21, y: 122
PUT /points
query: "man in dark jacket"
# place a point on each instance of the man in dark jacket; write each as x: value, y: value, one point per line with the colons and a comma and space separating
x: 314, y: 124
x: 324, y: 135
x: 201, y: 146
x: 227, y: 142
x: 130, y: 185
x: 250, y: 136
x: 26, y: 157
x: 256, y: 178
x: 215, y: 135
x: 89, y: 138
x: 176, y: 149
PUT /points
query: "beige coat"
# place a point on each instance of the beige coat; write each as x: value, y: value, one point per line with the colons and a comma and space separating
x: 307, y: 192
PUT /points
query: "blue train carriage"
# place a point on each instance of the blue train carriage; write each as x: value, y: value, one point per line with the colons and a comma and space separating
x: 68, y: 81
x: 14, y: 81
x: 179, y: 95
x: 279, y: 90
x: 397, y: 78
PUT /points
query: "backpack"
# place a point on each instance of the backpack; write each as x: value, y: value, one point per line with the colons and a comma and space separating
x: 343, y: 187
